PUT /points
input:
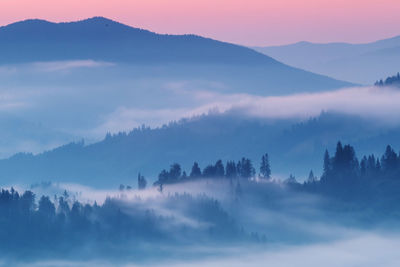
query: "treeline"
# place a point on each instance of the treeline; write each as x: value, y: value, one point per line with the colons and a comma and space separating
x: 29, y: 226
x: 61, y: 225
x: 345, y: 167
x: 342, y: 169
x: 390, y: 81
x: 242, y: 169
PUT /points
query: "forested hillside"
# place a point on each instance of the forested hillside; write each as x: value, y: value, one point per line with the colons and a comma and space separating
x: 217, y: 205
x: 119, y: 158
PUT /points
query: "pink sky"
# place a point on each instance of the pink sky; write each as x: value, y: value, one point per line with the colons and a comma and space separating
x: 249, y: 22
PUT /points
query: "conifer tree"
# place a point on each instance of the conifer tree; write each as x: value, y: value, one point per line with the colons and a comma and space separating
x: 142, y: 183
x: 196, y: 171
x: 265, y: 168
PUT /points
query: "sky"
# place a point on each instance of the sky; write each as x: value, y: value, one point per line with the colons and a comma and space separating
x: 247, y: 22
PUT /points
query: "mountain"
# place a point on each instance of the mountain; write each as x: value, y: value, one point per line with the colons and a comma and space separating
x: 101, y: 39
x: 97, y: 76
x: 358, y: 63
x: 293, y: 148
x: 106, y: 40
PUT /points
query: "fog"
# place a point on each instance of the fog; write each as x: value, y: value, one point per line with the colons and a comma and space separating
x: 365, y: 249
x: 300, y: 229
x: 380, y: 248
x: 89, y: 98
x: 367, y: 102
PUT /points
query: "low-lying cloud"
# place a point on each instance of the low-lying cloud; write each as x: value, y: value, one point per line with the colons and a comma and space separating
x: 87, y: 99
x: 366, y: 250
x: 345, y: 246
x: 363, y: 101
x: 368, y: 102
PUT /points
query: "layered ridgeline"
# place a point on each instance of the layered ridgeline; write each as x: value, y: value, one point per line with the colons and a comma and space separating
x: 358, y: 63
x: 119, y: 158
x: 185, y: 56
x: 89, y: 71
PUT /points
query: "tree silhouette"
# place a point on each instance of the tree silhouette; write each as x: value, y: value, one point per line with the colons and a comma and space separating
x: 196, y: 171
x: 311, y: 177
x: 231, y: 171
x: 142, y: 183
x: 265, y: 168
x: 245, y: 168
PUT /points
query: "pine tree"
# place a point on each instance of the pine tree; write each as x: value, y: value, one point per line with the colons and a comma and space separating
x: 265, y: 168
x: 175, y: 172
x: 389, y: 160
x: 219, y: 169
x: 311, y: 177
x: 245, y: 168
x: 327, y: 165
x: 231, y: 171
x: 142, y: 183
x: 196, y: 171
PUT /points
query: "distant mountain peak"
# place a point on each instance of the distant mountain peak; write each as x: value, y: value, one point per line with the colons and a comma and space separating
x: 100, y: 19
x: 40, y: 24
x: 34, y: 22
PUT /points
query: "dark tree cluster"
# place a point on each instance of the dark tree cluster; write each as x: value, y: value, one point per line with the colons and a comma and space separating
x: 29, y: 227
x: 142, y: 182
x: 344, y: 167
x: 265, y: 168
x: 232, y: 170
x: 345, y: 176
x: 55, y: 227
x: 343, y: 173
x: 390, y: 81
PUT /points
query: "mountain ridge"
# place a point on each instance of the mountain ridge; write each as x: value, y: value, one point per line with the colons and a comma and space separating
x: 101, y: 39
x: 84, y: 38
x: 118, y: 158
x: 358, y: 63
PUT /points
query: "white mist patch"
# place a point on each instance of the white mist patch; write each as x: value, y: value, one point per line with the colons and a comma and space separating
x: 368, y: 102
x: 362, y: 101
x: 291, y: 216
x: 68, y: 65
x: 150, y: 199
x: 367, y: 250
x: 87, y: 194
x: 298, y: 230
